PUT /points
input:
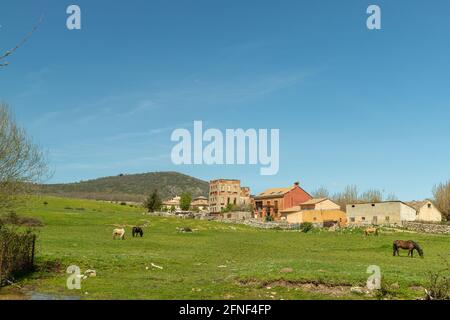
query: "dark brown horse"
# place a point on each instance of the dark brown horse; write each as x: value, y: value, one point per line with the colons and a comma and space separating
x: 407, y: 245
x: 137, y: 231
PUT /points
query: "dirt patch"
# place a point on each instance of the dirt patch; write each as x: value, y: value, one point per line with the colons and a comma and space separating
x: 336, y: 290
x: 11, y: 294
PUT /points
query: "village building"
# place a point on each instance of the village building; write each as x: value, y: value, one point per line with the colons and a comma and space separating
x: 319, y: 204
x: 392, y: 212
x: 379, y: 213
x: 200, y: 204
x: 172, y: 204
x: 271, y: 202
x: 224, y: 192
x: 321, y: 212
x: 426, y: 211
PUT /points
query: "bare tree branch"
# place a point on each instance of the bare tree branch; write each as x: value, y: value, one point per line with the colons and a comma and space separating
x: 20, y: 44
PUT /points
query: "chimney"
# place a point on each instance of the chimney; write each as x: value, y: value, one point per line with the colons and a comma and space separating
x: 297, y: 184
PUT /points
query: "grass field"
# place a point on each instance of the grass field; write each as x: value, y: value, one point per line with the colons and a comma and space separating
x: 217, y: 261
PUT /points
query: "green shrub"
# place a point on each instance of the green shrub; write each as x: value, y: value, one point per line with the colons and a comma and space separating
x: 438, y: 287
x: 17, y: 253
x: 306, y: 227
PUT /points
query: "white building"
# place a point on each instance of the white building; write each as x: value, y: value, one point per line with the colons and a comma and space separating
x: 392, y: 212
x: 389, y: 212
x: 426, y: 211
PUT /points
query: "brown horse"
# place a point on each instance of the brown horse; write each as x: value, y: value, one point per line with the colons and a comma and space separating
x: 371, y: 231
x: 407, y: 245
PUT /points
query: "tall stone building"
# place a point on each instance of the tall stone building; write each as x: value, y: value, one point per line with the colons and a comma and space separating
x: 223, y: 192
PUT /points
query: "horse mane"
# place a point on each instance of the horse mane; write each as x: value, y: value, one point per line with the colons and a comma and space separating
x: 419, y: 249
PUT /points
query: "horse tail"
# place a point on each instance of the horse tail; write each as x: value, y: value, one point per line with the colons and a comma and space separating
x: 418, y: 248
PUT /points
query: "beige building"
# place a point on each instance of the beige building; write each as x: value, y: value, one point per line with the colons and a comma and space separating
x: 173, y: 203
x: 426, y: 211
x: 379, y: 213
x: 319, y: 204
x: 200, y: 204
x: 319, y: 217
x: 223, y: 192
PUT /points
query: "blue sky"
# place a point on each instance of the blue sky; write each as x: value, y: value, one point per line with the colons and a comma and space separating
x: 353, y: 106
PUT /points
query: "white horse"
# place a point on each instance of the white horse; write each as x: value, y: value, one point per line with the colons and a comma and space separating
x: 119, y: 233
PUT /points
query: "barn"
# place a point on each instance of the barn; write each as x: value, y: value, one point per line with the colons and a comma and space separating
x: 379, y: 213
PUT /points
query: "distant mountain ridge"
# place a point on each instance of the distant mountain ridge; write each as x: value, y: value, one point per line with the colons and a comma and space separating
x: 130, y: 187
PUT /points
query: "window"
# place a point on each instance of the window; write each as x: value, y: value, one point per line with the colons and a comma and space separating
x: 387, y: 218
x: 352, y: 219
x: 373, y: 204
x: 363, y: 218
x: 353, y: 206
x: 429, y: 206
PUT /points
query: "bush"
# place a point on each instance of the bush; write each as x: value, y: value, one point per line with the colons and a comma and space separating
x: 14, y: 220
x: 438, y: 287
x: 123, y: 203
x: 228, y: 208
x: 306, y: 227
x: 16, y: 254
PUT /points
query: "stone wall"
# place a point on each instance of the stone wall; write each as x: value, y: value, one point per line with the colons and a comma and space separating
x: 427, y: 227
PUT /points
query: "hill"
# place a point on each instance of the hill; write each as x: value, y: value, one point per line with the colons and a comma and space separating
x: 130, y: 187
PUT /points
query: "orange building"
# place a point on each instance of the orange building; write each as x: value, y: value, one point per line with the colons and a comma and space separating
x: 321, y: 217
x: 272, y: 201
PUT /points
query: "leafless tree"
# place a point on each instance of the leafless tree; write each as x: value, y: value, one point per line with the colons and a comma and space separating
x: 8, y: 53
x: 322, y: 192
x: 349, y: 195
x: 441, y: 193
x: 22, y: 163
x: 352, y: 195
x: 372, y: 195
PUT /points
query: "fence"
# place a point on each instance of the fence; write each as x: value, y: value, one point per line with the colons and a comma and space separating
x: 427, y: 227
x: 16, y: 254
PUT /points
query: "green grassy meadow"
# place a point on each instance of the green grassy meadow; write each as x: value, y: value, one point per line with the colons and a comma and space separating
x: 217, y: 261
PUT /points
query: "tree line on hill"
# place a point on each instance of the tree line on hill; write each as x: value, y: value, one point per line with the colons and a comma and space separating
x: 130, y: 187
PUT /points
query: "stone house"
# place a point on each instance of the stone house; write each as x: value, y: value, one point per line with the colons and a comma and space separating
x: 172, y: 203
x: 379, y: 213
x: 426, y: 211
x: 200, y: 203
x: 223, y: 192
x: 392, y: 212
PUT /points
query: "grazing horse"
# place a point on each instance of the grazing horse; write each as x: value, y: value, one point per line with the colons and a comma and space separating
x: 137, y: 231
x: 407, y: 245
x: 371, y: 231
x: 119, y: 233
